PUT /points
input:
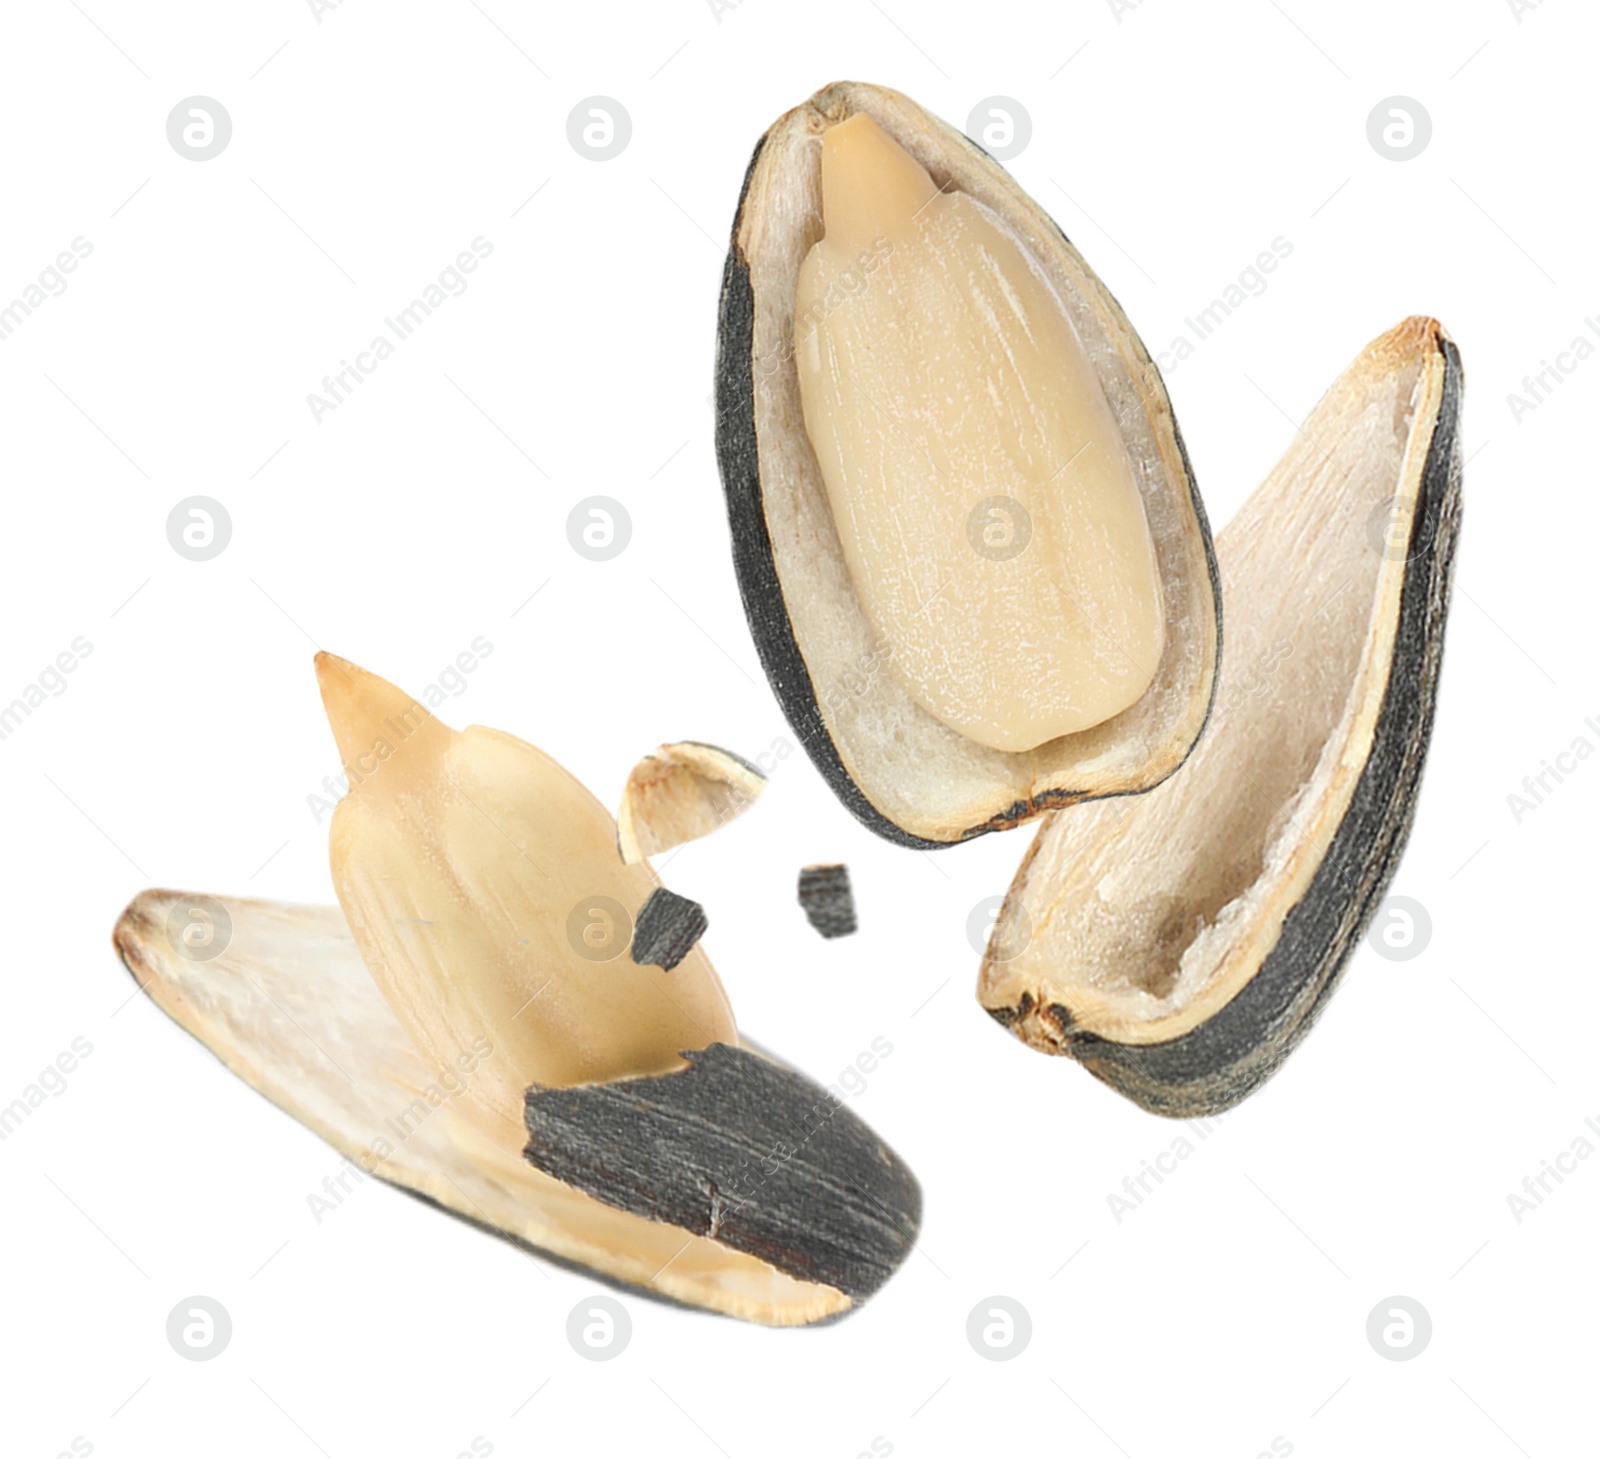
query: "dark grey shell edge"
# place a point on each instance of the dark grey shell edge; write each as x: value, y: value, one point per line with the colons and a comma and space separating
x: 757, y: 573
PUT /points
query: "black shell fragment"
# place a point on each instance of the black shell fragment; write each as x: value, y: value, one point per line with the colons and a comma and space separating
x: 743, y: 1151
x: 825, y: 895
x: 666, y: 929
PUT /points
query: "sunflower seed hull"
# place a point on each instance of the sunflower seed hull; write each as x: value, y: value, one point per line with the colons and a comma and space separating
x: 1181, y: 944
x: 288, y: 1005
x: 741, y: 1150
x: 842, y: 681
x: 1234, y: 1053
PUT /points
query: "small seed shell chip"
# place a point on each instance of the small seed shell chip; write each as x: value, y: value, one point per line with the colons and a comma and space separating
x: 681, y: 792
x: 830, y: 905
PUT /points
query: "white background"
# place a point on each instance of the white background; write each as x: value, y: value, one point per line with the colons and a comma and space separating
x: 1174, y: 143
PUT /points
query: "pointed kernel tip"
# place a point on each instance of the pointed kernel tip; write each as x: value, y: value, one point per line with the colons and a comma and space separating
x: 327, y: 663
x: 364, y: 709
x: 871, y: 186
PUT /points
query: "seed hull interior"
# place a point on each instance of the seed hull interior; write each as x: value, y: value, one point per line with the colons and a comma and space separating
x: 1181, y: 945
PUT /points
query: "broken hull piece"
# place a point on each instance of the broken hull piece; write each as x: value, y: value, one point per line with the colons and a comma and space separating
x: 827, y: 900
x: 681, y: 792
x: 1180, y: 945
x: 288, y: 1005
x: 797, y: 1162
x: 666, y: 928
